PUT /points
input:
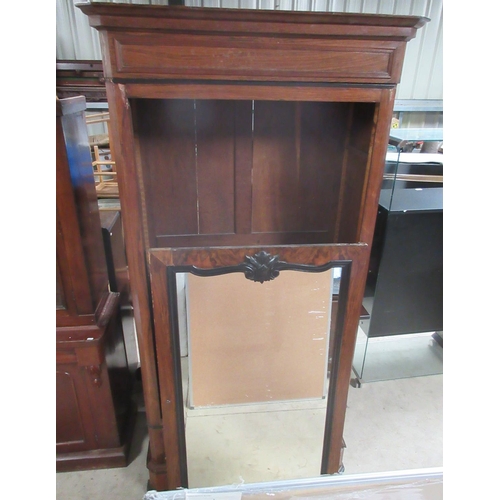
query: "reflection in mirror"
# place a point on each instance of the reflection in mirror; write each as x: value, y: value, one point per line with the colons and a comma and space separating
x: 255, y: 366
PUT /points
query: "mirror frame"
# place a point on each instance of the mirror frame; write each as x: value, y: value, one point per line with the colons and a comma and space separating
x: 258, y: 264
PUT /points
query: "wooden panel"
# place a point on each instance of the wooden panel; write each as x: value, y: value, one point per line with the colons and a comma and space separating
x: 355, y: 171
x: 269, y: 92
x: 275, y: 168
x: 283, y: 238
x: 382, y: 123
x: 79, y: 163
x: 290, y: 176
x: 256, y: 58
x: 253, y: 343
x: 297, y: 162
x: 215, y: 165
x: 188, y: 153
x: 352, y: 194
x: 69, y: 427
x: 362, y: 126
x: 157, y: 18
x: 167, y: 140
x: 322, y: 135
x: 209, y: 258
x: 70, y: 253
x: 243, y: 156
x: 66, y: 356
x: 72, y: 413
x: 421, y: 78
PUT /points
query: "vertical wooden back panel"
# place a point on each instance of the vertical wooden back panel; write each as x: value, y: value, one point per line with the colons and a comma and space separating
x: 166, y: 131
x: 275, y: 167
x: 210, y: 168
x: 298, y: 153
x: 355, y: 171
x: 323, y: 129
x: 215, y: 148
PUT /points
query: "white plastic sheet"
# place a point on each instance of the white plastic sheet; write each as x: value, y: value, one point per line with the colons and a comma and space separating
x: 422, y: 484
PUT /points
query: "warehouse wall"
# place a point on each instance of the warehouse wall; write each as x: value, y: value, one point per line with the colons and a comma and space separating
x: 422, y: 76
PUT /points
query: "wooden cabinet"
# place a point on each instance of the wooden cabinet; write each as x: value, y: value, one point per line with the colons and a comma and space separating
x: 93, y: 385
x: 242, y: 134
x: 82, y: 280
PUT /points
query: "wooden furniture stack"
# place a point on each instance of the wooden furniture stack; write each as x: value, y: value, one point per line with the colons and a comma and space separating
x: 94, y: 409
x: 80, y: 78
x: 242, y: 135
x: 85, y: 78
x: 103, y: 163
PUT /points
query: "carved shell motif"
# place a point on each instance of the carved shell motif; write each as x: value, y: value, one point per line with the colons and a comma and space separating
x: 261, y: 267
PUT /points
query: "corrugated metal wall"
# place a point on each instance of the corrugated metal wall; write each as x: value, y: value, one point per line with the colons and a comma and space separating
x: 422, y: 76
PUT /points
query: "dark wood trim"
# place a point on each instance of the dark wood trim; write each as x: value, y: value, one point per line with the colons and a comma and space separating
x: 352, y: 308
x: 103, y: 15
x: 179, y: 409
x: 330, y: 463
x: 208, y: 258
x: 265, y: 91
x: 168, y: 399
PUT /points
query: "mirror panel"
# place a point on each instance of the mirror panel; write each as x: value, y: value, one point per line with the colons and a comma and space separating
x: 255, y: 372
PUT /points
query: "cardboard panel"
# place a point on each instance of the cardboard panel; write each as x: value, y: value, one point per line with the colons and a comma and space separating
x: 252, y: 342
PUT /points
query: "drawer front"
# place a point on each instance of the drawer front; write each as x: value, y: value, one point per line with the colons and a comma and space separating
x: 255, y: 59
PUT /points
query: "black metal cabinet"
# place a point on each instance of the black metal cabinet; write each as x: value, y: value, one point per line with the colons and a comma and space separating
x: 406, y: 269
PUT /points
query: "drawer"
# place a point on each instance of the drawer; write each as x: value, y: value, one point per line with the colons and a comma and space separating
x: 263, y: 58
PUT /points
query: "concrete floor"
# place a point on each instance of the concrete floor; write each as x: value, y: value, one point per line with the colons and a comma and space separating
x: 391, y: 425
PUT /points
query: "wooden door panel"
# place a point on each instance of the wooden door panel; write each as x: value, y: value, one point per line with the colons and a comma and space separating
x: 74, y: 429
